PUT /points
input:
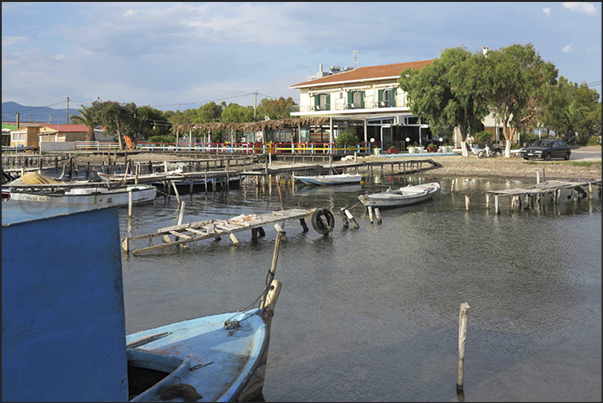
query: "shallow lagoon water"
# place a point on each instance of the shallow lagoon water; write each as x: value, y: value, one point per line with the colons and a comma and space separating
x: 371, y: 313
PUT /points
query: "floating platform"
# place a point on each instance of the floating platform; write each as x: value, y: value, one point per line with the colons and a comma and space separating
x: 322, y: 221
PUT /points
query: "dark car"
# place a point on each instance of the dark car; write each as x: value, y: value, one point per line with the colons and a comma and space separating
x: 546, y: 149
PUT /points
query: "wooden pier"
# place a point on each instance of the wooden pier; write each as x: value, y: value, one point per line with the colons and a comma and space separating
x: 534, y: 195
x: 196, y: 231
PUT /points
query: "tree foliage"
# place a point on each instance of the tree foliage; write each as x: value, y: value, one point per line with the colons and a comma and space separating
x: 88, y: 116
x: 275, y: 108
x: 449, y: 92
x: 574, y: 112
x: 519, y: 84
x: 346, y: 138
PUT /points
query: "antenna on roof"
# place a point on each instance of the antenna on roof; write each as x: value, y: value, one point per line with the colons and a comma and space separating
x: 355, y: 59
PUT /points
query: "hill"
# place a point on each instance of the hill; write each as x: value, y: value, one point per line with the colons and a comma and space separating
x: 42, y: 114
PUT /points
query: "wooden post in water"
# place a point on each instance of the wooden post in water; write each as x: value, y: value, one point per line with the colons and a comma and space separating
x: 370, y: 211
x: 496, y: 204
x: 462, y: 336
x: 175, y: 190
x: 350, y: 217
x: 466, y: 202
x: 270, y: 276
x: 130, y: 207
x: 346, y: 223
x: 378, y: 215
x: 181, y: 215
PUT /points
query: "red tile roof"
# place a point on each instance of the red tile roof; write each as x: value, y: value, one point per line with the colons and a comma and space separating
x: 66, y: 128
x: 364, y: 74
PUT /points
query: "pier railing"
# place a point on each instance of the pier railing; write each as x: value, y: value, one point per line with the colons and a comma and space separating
x: 238, y: 148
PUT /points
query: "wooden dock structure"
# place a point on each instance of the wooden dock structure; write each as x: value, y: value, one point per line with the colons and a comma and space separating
x: 215, y: 229
x: 535, y: 195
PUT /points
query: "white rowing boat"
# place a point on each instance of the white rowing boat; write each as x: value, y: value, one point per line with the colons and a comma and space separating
x: 402, y: 196
x: 338, y: 179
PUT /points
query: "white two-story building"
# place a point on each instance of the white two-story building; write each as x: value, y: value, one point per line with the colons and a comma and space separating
x: 368, y: 102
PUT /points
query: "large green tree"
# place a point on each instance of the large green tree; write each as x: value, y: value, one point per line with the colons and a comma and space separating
x: 519, y: 84
x: 117, y: 118
x: 449, y: 92
x: 88, y: 116
x: 274, y: 108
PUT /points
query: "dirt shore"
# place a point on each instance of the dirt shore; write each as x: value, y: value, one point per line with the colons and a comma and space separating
x: 451, y: 165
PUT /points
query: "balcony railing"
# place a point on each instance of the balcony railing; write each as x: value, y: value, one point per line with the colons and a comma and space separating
x: 343, y: 106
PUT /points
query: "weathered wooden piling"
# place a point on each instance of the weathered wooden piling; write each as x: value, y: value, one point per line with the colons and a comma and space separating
x: 462, y: 336
x: 377, y: 215
x: 350, y: 217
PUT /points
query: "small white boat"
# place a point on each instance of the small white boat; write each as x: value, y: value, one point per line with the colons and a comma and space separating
x: 93, y: 195
x: 338, y: 179
x: 402, y: 196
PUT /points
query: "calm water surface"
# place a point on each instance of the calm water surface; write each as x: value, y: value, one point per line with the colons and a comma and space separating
x: 371, y: 313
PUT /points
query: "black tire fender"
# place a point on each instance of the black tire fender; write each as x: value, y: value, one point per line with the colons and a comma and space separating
x: 323, y: 221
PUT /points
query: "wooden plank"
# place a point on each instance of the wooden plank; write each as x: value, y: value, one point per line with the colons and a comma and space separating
x: 180, y: 235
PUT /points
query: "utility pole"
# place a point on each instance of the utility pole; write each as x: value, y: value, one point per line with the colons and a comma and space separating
x: 67, y: 110
x: 255, y: 104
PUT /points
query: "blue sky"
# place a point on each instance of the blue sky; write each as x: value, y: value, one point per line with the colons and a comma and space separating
x: 177, y: 56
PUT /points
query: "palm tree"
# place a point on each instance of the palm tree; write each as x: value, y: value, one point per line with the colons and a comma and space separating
x: 86, y: 117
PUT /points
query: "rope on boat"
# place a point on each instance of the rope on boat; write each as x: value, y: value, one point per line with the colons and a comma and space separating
x: 230, y: 323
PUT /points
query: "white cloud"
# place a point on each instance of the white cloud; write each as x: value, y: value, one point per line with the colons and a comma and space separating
x: 60, y: 57
x: 568, y: 48
x: 547, y: 11
x: 12, y: 40
x: 585, y: 8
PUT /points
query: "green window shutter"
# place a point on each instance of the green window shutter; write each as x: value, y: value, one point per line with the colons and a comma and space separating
x: 362, y: 99
x: 393, y: 98
x: 350, y: 97
x: 380, y: 96
x: 316, y: 101
x: 328, y: 101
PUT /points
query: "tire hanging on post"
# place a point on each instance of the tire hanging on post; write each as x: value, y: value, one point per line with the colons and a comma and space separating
x: 323, y: 221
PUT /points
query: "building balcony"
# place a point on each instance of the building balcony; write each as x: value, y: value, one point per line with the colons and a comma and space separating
x: 371, y: 106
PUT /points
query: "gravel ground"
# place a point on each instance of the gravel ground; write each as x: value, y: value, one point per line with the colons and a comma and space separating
x: 470, y: 166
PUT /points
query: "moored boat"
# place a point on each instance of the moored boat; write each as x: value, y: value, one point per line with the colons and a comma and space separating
x: 337, y: 179
x: 92, y: 195
x: 35, y: 187
x: 402, y: 196
x: 64, y: 335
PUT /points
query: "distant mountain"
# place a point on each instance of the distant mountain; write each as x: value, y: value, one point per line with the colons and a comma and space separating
x: 41, y: 114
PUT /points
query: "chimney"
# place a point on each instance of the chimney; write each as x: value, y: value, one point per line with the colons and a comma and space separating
x: 17, y: 120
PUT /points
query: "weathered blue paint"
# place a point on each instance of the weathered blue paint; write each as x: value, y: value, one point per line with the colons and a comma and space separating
x: 229, y: 358
x: 63, y: 322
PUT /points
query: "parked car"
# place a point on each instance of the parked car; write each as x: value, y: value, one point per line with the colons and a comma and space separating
x: 546, y: 149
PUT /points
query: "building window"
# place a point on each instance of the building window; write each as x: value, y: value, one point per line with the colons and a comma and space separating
x: 355, y: 99
x: 18, y: 136
x: 322, y: 102
x: 387, y: 98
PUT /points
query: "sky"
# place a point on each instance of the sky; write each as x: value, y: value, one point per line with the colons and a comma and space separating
x: 177, y: 56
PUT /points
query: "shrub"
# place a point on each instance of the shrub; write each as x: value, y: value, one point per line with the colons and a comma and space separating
x: 483, y: 137
x: 162, y: 139
x: 346, y: 138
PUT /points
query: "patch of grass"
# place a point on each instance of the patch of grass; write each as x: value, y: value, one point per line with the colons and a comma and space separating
x: 582, y: 163
x: 572, y: 163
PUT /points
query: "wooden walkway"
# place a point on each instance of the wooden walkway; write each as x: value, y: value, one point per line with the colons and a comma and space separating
x: 535, y: 194
x: 200, y: 230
